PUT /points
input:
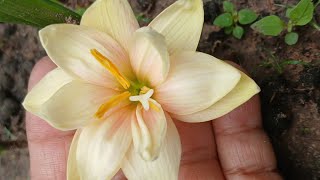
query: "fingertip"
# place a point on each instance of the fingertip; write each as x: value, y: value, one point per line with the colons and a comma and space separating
x: 246, y: 116
x: 42, y: 67
x: 242, y: 145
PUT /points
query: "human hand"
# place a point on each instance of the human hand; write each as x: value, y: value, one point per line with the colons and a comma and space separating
x: 231, y: 147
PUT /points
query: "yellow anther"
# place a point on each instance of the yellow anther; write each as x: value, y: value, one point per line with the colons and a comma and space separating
x: 111, y: 103
x: 153, y: 106
x: 144, y: 90
x: 105, y: 62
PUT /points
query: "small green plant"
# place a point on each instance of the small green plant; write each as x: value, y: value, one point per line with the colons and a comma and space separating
x: 231, y: 19
x: 143, y: 19
x: 279, y: 65
x: 299, y: 15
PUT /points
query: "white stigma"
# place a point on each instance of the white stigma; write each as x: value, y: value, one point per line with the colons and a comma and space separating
x: 143, y: 99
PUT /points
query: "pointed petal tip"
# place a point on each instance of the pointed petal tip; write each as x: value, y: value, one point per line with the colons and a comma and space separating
x: 147, y: 156
x: 149, y: 131
x: 114, y: 17
x: 244, y: 91
x: 44, y: 32
x: 149, y: 56
x: 181, y: 24
x: 27, y: 105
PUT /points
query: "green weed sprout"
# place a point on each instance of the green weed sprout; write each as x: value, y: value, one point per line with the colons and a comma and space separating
x: 279, y: 65
x: 141, y: 18
x: 231, y: 20
x: 299, y: 15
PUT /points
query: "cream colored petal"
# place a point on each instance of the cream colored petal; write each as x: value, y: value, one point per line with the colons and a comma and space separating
x: 74, y: 105
x: 244, y: 90
x: 69, y: 47
x: 114, y: 17
x: 149, y: 131
x: 165, y: 167
x: 195, y: 82
x: 45, y: 89
x: 181, y: 24
x: 103, y: 145
x: 72, y: 169
x: 149, y: 56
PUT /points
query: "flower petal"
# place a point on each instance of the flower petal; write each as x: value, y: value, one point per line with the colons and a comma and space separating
x: 195, y: 82
x: 114, y: 17
x: 166, y: 166
x: 103, y: 145
x: 74, y: 105
x: 69, y: 47
x: 181, y: 24
x: 149, y: 56
x: 72, y: 169
x: 149, y: 131
x: 45, y: 89
x: 244, y: 90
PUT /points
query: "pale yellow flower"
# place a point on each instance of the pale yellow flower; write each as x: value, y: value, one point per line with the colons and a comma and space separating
x: 120, y: 86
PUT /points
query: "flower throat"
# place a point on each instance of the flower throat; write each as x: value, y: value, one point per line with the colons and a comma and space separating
x: 135, y: 92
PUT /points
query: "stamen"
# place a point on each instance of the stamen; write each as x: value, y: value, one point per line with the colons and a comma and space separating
x: 111, y: 103
x: 144, y: 99
x: 104, y: 61
x: 154, y: 107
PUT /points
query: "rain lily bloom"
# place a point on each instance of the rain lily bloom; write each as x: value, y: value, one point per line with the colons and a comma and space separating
x: 120, y: 86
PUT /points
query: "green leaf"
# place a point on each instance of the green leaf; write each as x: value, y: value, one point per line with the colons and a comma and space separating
x: 270, y: 25
x: 302, y: 13
x: 39, y: 13
x: 292, y: 38
x: 238, y: 32
x: 247, y: 16
x: 224, y: 20
x: 228, y: 30
x: 228, y: 7
x: 288, y: 11
x: 142, y: 18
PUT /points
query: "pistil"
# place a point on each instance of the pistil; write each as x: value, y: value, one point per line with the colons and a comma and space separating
x: 143, y: 99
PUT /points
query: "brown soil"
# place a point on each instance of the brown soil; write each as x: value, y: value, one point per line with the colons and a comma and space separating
x: 290, y: 99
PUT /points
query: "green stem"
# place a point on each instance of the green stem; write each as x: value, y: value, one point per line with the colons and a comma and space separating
x: 315, y: 25
x: 290, y: 26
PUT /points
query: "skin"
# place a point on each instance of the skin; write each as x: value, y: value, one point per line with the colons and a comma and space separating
x: 233, y: 147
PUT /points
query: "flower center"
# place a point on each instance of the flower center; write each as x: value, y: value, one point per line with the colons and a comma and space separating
x: 143, y: 98
x: 135, y: 91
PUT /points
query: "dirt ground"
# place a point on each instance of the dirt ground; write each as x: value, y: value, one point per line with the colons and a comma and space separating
x: 290, y: 100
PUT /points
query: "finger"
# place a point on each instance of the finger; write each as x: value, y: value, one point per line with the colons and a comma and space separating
x: 244, y: 150
x: 199, y: 156
x: 48, y: 147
